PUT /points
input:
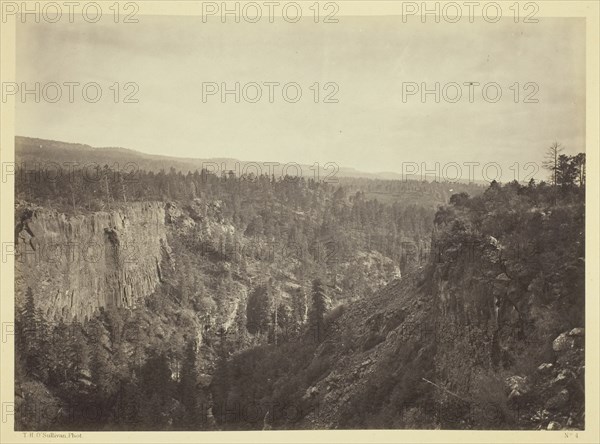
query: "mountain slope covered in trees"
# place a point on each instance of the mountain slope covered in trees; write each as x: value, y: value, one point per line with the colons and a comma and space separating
x: 292, y: 303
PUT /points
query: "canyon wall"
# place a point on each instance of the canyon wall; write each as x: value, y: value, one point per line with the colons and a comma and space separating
x: 77, y: 264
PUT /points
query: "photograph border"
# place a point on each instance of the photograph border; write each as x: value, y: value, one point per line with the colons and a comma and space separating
x: 590, y: 10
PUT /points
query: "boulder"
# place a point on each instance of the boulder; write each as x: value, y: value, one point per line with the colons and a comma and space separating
x: 502, y: 277
x: 577, y: 332
x: 517, y: 386
x: 563, y: 342
x: 561, y: 377
x: 578, y: 335
x: 553, y: 425
x: 311, y: 392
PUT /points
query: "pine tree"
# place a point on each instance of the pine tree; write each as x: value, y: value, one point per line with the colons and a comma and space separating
x: 319, y: 305
x: 566, y: 171
x: 129, y: 403
x: 188, y: 385
x: 258, y: 310
x: 78, y: 351
x: 30, y: 335
x: 58, y: 355
x: 103, y: 372
x: 156, y: 383
x: 551, y: 160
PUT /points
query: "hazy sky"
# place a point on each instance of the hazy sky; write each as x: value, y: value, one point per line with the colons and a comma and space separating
x: 369, y: 58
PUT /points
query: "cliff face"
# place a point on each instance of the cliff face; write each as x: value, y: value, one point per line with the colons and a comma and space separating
x: 77, y: 264
x: 511, y: 357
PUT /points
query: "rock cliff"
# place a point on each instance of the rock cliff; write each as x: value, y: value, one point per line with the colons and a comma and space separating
x: 77, y: 264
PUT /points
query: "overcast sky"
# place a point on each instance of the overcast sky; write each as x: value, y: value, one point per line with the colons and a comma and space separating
x: 369, y: 58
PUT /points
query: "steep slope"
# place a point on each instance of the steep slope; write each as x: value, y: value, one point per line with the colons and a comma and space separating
x: 382, y: 348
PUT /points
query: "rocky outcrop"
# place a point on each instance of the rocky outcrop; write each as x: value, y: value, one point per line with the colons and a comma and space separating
x: 77, y: 264
x: 497, y: 346
x: 562, y: 384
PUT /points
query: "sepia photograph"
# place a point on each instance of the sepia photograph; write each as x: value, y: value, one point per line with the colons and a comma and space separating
x: 311, y: 216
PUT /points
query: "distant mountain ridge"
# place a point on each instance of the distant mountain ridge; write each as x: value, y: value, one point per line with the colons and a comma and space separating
x: 35, y: 150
